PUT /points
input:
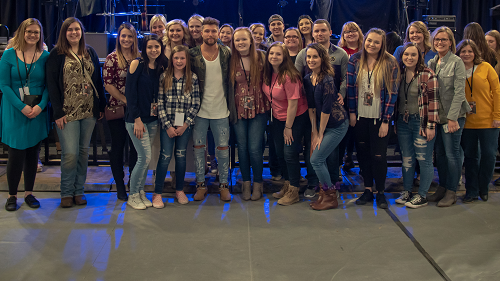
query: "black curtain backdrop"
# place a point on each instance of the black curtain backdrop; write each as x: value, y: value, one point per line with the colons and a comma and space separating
x: 385, y: 14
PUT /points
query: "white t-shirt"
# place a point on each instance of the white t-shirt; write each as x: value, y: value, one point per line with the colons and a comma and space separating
x: 366, y: 111
x: 213, y: 104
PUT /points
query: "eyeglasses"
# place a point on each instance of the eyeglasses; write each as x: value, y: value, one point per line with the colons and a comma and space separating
x: 443, y: 40
x: 350, y: 31
x: 29, y: 32
x: 292, y: 37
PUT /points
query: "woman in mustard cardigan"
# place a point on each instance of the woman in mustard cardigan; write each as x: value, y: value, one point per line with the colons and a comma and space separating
x: 482, y: 91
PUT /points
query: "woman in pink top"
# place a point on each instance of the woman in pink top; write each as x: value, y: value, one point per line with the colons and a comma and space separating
x: 283, y: 87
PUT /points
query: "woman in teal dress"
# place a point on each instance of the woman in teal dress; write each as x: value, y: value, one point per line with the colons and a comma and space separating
x: 22, y: 109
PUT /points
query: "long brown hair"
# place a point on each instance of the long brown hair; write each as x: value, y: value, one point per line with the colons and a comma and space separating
x: 134, y: 48
x: 383, y: 65
x: 420, y: 61
x: 63, y: 45
x: 326, y: 66
x: 287, y: 68
x: 18, y: 43
x: 422, y: 28
x: 475, y: 50
x: 351, y: 25
x: 169, y: 73
x: 474, y: 32
x: 256, y: 63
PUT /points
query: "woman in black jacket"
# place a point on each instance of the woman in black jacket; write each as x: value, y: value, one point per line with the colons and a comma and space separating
x: 77, y: 96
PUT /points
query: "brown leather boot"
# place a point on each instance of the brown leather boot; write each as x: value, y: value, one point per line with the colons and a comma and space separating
x: 283, y: 190
x: 201, y: 191
x: 438, y: 195
x: 329, y: 201
x: 80, y: 200
x: 66, y: 202
x: 225, y: 195
x: 291, y: 196
x: 246, y: 191
x: 320, y: 197
x: 258, y: 189
x: 449, y: 199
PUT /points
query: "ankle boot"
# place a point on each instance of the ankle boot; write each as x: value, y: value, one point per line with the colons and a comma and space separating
x: 329, y: 201
x: 291, y: 196
x: 438, y: 195
x: 283, y: 190
x: 258, y: 190
x: 320, y: 197
x: 246, y: 190
x: 449, y: 199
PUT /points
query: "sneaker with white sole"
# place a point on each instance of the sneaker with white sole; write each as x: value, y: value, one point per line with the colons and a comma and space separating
x: 404, y: 197
x: 276, y: 178
x: 135, y: 202
x: 39, y: 166
x: 416, y: 201
x: 310, y: 192
x: 144, y: 199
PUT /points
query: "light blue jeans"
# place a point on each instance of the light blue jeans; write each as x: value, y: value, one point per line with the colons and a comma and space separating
x: 75, y: 140
x: 331, y: 139
x: 143, y: 147
x: 220, y: 130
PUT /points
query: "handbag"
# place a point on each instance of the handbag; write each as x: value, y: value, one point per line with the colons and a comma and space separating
x: 114, y: 112
x: 32, y: 100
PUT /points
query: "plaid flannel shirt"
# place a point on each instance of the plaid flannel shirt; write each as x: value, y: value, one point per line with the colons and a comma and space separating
x: 388, y: 95
x: 171, y: 101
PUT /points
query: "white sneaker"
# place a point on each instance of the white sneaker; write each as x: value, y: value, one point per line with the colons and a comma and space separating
x: 404, y: 197
x: 144, y: 199
x: 276, y: 178
x: 135, y: 202
x: 39, y: 166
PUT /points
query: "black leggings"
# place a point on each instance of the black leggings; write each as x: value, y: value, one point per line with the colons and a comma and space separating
x: 22, y: 160
x: 371, y: 152
x: 119, y: 136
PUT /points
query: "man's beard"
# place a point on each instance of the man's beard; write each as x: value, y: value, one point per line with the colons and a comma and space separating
x: 206, y: 41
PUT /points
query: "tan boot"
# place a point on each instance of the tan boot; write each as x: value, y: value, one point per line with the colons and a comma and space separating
x: 225, y: 195
x: 258, y: 189
x: 246, y: 191
x: 283, y: 190
x: 201, y: 192
x: 449, y: 199
x: 291, y: 196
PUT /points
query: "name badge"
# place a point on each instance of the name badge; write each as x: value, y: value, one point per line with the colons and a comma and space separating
x: 86, y: 88
x: 179, y: 119
x: 472, y: 105
x: 368, y: 101
x: 24, y: 91
x: 247, y: 102
x: 154, y: 109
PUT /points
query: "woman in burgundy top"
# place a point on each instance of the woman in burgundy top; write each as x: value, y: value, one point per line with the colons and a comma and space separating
x: 114, y: 75
x: 351, y: 38
x: 246, y: 69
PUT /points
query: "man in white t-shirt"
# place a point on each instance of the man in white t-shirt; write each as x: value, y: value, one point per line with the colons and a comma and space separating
x: 210, y: 62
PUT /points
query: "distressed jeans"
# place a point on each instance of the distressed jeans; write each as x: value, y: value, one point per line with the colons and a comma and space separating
x: 167, y: 145
x: 143, y: 148
x: 415, y: 147
x: 449, y: 164
x: 220, y: 130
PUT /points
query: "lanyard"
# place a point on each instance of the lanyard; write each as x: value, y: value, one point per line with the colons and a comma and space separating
x: 369, y: 78
x: 28, y: 71
x: 182, y: 89
x: 471, y: 80
x: 246, y: 77
x: 407, y: 88
x: 81, y: 62
x: 271, y: 95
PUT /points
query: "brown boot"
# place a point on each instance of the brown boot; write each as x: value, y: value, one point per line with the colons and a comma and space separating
x: 283, y: 190
x: 201, y: 191
x: 246, y: 191
x: 320, y: 197
x: 225, y: 195
x: 438, y: 195
x: 66, y: 202
x: 80, y: 200
x: 291, y: 196
x: 449, y: 199
x: 329, y: 201
x: 258, y: 189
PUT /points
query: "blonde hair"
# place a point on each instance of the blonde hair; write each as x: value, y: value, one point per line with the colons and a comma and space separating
x: 187, y: 36
x: 196, y: 17
x: 256, y: 63
x: 157, y: 17
x: 134, y: 48
x: 18, y: 43
x: 448, y: 31
x: 422, y: 28
x: 351, y: 25
x: 169, y: 72
x: 383, y: 67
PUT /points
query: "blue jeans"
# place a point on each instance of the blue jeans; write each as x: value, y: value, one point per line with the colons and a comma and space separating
x: 448, y: 163
x: 167, y: 145
x: 250, y: 137
x: 414, y: 146
x: 75, y: 140
x: 331, y: 139
x: 143, y: 148
x: 478, y: 172
x: 288, y: 155
x: 220, y: 130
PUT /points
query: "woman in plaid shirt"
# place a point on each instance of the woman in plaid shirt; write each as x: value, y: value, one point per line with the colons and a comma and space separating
x: 178, y: 104
x: 418, y: 113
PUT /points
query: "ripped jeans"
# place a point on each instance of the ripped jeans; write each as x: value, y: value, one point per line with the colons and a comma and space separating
x: 167, y: 145
x: 220, y: 130
x: 415, y: 147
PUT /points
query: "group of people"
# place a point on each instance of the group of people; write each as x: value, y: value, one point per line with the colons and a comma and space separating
x: 319, y: 99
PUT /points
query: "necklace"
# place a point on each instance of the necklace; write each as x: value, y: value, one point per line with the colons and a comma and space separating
x: 212, y: 57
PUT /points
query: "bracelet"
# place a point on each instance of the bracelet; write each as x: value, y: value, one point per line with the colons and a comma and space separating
x: 287, y: 128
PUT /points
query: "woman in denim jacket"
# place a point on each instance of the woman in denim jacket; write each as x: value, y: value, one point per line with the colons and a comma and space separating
x: 453, y: 106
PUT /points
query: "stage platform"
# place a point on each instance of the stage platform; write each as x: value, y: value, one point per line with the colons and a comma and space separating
x: 245, y: 240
